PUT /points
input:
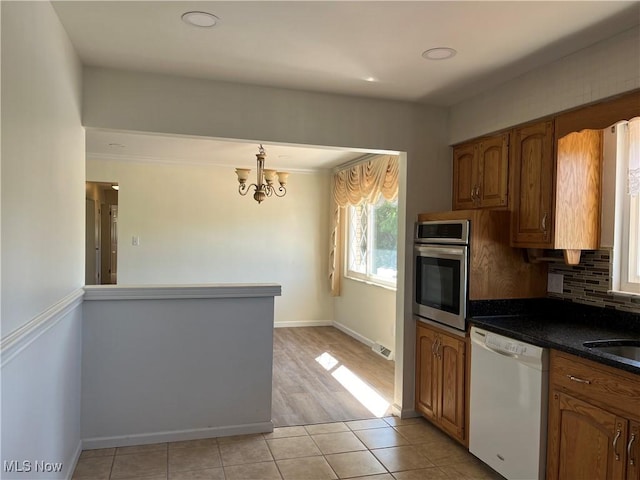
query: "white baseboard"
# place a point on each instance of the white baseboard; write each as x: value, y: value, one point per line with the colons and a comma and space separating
x: 302, y: 323
x: 354, y: 334
x: 406, y: 413
x: 71, y: 466
x: 176, y: 436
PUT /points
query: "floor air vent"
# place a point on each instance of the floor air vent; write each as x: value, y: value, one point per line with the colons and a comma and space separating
x: 382, y: 351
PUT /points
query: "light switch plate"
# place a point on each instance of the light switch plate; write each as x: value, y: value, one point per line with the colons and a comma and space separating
x: 555, y: 283
x: 135, y: 240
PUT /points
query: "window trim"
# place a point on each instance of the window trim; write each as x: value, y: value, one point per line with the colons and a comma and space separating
x: 369, y: 279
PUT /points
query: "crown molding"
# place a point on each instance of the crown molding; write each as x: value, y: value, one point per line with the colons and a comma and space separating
x: 362, y: 159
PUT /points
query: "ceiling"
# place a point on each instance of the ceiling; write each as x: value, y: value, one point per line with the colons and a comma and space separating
x: 129, y: 146
x: 335, y: 46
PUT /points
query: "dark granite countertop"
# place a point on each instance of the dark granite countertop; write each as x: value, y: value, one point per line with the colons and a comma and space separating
x: 561, y: 325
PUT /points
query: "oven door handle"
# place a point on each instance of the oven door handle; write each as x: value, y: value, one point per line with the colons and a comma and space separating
x: 458, y: 252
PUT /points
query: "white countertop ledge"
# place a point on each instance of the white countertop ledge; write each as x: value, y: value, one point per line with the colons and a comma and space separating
x: 165, y: 292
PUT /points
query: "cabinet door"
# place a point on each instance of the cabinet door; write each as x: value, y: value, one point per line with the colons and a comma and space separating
x: 633, y: 452
x: 451, y: 356
x: 426, y: 372
x: 533, y: 166
x: 465, y: 176
x: 493, y: 170
x: 584, y: 441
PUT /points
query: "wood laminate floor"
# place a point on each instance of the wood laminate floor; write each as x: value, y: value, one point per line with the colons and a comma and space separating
x: 318, y: 373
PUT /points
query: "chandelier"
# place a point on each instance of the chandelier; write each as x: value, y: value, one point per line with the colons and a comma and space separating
x: 264, y: 186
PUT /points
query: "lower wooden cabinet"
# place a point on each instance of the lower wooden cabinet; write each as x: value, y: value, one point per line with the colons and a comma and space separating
x: 440, y: 379
x: 584, y: 438
x: 594, y: 421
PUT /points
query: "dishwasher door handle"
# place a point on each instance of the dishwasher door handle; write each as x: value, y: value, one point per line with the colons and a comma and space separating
x: 500, y: 352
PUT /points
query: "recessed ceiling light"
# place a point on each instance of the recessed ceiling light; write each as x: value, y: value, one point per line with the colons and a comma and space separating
x: 370, y: 79
x: 200, y: 19
x: 439, y: 53
x: 116, y: 145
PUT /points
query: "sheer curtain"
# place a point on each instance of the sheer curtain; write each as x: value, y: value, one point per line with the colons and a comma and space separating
x: 633, y: 155
x: 626, y: 246
x: 363, y: 182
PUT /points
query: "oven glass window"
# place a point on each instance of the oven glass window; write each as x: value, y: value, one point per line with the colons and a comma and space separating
x: 438, y: 283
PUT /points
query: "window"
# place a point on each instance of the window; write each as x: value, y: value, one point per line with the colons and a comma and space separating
x: 626, y: 267
x: 372, y: 239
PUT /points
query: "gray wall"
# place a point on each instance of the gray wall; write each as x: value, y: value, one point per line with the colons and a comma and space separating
x: 163, y: 364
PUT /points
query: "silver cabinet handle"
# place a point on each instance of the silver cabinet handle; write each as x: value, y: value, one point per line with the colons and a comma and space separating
x: 473, y: 189
x: 615, y: 444
x: 579, y: 380
x: 631, y: 459
x: 433, y: 346
x: 544, y: 222
x: 478, y: 192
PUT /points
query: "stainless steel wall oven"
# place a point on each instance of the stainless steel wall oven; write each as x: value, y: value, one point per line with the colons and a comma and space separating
x: 441, y: 266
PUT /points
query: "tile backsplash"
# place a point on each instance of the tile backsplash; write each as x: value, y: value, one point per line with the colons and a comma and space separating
x: 589, y: 281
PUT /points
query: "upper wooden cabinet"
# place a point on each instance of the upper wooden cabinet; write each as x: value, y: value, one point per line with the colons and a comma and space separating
x: 556, y: 198
x: 465, y: 176
x: 480, y: 173
x: 547, y: 173
x: 532, y: 198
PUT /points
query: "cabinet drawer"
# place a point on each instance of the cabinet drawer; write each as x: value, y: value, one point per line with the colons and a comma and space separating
x: 619, y: 390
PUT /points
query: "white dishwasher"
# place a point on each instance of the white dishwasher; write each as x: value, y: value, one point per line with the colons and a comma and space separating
x: 508, y: 405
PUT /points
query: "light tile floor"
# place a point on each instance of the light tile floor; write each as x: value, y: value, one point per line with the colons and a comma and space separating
x: 377, y: 449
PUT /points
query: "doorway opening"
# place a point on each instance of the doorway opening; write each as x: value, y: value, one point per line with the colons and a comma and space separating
x: 101, y: 247
x: 211, y: 245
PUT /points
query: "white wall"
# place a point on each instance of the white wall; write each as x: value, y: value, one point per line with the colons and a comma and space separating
x: 42, y: 247
x: 367, y: 312
x: 602, y: 70
x: 42, y: 163
x: 194, y: 227
x: 174, y: 105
